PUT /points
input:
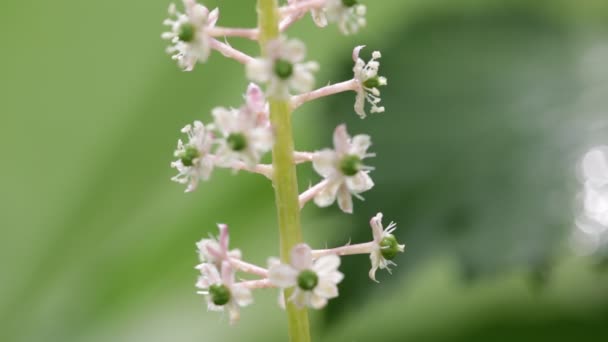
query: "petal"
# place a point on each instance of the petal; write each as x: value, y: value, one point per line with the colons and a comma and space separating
x: 324, y: 162
x: 212, y: 274
x: 301, y: 257
x: 224, y: 237
x: 360, y: 144
x: 234, y: 313
x: 225, y: 119
x: 282, y: 276
x: 213, y: 17
x: 294, y: 50
x: 258, y: 70
x: 319, y: 17
x: 256, y: 102
x: 374, y: 257
x: 327, y: 196
x: 360, y: 182
x: 242, y: 295
x: 316, y: 301
x: 360, y: 103
x: 595, y: 167
x: 227, y: 273
x: 356, y: 52
x: 377, y: 229
x: 300, y: 298
x: 345, y: 201
x: 326, y: 289
x: 326, y: 264
x: 341, y: 140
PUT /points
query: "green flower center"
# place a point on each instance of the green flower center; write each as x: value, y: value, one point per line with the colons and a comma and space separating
x: 237, y: 142
x: 349, y: 3
x: 186, y: 33
x: 307, y: 280
x: 189, y: 155
x: 220, y: 294
x: 283, y: 69
x: 350, y: 165
x: 389, y: 247
x: 373, y: 82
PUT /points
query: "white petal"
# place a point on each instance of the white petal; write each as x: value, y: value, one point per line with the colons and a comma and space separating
x: 319, y: 17
x: 327, y: 196
x: 283, y: 276
x: 258, y: 70
x: 225, y: 119
x: 294, y: 51
x: 360, y: 103
x: 324, y: 162
x: 242, y: 295
x: 377, y: 229
x: 326, y: 264
x: 356, y: 52
x: 360, y: 144
x: 341, y: 140
x: 374, y: 257
x: 326, y: 289
x: 316, y: 301
x: 234, y: 313
x: 212, y: 274
x: 227, y: 273
x: 360, y: 182
x: 595, y: 167
x: 300, y: 298
x: 345, y: 201
x: 301, y: 257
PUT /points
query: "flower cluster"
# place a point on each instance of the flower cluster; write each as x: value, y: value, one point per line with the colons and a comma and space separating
x: 238, y: 138
x: 593, y: 221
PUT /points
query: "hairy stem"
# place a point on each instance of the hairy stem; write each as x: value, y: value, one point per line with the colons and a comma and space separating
x: 285, y: 178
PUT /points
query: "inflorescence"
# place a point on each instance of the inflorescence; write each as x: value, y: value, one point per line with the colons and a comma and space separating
x: 239, y: 137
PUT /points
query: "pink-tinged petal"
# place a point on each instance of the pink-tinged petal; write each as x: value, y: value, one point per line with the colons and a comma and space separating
x: 301, y: 257
x: 234, y: 313
x: 345, y: 201
x: 377, y: 229
x: 213, y: 17
x: 212, y: 274
x: 326, y: 289
x: 242, y: 295
x: 356, y: 52
x: 202, y: 282
x: 283, y: 276
x: 235, y: 254
x: 224, y: 237
x: 316, y: 301
x: 255, y: 99
x: 326, y: 264
x: 595, y: 167
x: 360, y: 144
x: 360, y: 182
x: 341, y: 140
x: 227, y: 273
x: 324, y: 162
x: 225, y: 119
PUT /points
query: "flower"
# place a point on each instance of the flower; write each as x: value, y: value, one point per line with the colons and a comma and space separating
x: 215, y: 251
x: 188, y: 33
x: 343, y: 169
x: 314, y: 282
x: 385, y: 246
x: 256, y: 105
x: 194, y: 161
x: 349, y: 14
x: 368, y: 82
x: 221, y: 292
x: 244, y: 136
x: 283, y: 68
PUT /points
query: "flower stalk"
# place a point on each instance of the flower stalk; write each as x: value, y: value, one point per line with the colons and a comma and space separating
x: 285, y: 177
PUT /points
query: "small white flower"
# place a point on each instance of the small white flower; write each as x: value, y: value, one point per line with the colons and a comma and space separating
x: 349, y: 15
x: 214, y: 250
x: 188, y: 34
x: 221, y: 291
x: 283, y: 68
x: 243, y: 137
x: 366, y: 75
x: 194, y: 163
x: 385, y: 246
x: 343, y: 169
x: 315, y: 282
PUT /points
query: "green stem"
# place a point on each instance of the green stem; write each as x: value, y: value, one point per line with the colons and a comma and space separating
x: 285, y: 177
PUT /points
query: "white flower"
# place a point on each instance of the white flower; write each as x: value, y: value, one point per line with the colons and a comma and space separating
x: 188, y: 34
x: 385, y: 246
x: 368, y: 82
x: 343, y: 169
x: 221, y: 292
x: 349, y: 14
x: 315, y: 282
x: 244, y: 136
x: 195, y: 162
x: 283, y: 68
x: 214, y: 250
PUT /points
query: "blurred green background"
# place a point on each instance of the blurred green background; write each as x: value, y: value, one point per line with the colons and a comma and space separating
x: 490, y: 106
